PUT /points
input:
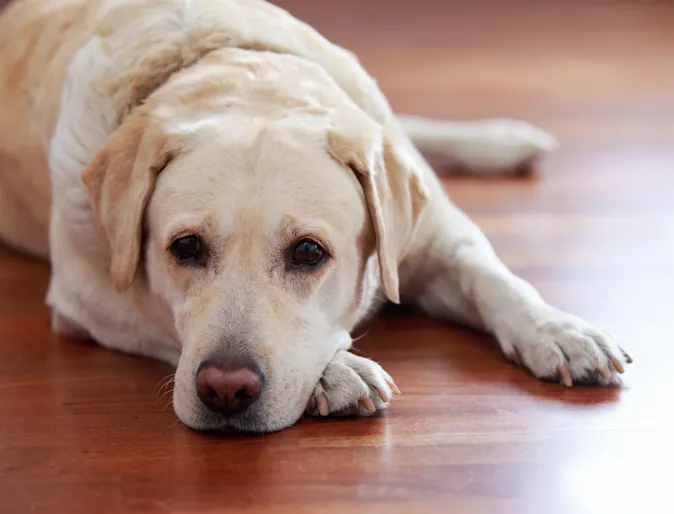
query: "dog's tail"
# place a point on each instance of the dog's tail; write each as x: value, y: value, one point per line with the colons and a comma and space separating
x: 488, y: 147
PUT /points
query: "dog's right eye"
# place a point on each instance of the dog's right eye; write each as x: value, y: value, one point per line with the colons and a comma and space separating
x: 308, y: 252
x: 189, y: 250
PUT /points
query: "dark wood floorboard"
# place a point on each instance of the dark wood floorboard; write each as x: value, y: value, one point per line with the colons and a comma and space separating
x: 83, y: 429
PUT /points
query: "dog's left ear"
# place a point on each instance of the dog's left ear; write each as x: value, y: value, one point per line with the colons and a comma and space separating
x: 394, y: 191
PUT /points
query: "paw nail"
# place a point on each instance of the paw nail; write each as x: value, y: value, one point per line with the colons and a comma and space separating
x: 322, y: 404
x: 628, y: 359
x: 605, y: 374
x: 385, y: 397
x: 367, y: 402
x: 393, y: 386
x: 564, y: 375
x: 618, y: 365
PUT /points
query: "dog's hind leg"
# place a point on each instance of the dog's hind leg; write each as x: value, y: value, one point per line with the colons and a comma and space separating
x: 489, y: 147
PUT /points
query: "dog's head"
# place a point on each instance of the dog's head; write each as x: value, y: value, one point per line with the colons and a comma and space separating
x: 265, y: 220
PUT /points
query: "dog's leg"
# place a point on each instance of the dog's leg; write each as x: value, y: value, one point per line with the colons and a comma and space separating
x: 462, y: 279
x: 489, y: 147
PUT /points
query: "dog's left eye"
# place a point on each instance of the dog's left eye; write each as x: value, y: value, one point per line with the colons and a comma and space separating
x: 308, y: 252
x: 188, y: 250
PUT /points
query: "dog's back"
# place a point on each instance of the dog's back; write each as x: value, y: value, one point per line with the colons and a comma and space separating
x: 32, y: 37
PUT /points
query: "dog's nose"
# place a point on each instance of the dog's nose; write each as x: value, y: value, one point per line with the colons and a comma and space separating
x: 228, y: 390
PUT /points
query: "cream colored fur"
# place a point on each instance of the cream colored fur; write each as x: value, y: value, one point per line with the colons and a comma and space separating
x: 127, y: 122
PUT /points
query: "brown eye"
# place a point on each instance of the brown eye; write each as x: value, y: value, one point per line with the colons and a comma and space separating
x: 308, y: 253
x: 188, y: 250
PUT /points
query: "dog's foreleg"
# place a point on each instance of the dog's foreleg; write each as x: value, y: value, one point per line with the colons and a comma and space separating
x: 452, y: 272
x: 490, y: 147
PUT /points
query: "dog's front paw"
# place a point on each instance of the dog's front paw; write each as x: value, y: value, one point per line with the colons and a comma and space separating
x: 352, y: 385
x: 561, y: 347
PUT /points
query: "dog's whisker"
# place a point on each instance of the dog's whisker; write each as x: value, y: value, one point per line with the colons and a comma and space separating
x: 168, y: 387
x: 168, y: 393
x: 167, y: 377
x: 177, y: 420
x: 163, y: 383
x: 169, y: 381
x: 358, y: 338
x: 170, y: 402
x: 160, y: 384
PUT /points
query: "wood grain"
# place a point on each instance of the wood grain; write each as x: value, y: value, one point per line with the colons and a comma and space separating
x: 86, y: 430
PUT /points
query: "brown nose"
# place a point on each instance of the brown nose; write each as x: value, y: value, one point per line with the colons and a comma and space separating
x: 227, y: 390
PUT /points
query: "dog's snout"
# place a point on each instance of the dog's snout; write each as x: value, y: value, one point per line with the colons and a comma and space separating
x: 227, y: 389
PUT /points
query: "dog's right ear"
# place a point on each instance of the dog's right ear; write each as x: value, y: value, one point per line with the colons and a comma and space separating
x: 120, y: 180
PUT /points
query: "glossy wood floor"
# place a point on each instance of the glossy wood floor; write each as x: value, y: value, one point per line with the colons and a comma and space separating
x: 84, y: 430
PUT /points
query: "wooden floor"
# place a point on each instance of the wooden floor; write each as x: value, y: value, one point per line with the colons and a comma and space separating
x: 84, y: 430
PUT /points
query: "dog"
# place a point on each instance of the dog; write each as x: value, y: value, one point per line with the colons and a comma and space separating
x: 219, y: 187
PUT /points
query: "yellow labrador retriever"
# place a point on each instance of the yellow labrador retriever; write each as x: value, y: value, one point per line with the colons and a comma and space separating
x: 219, y: 187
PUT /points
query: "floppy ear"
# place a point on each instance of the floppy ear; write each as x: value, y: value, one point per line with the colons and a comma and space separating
x: 392, y: 184
x: 120, y: 180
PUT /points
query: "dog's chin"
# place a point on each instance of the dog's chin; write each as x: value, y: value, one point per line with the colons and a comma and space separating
x: 252, y: 422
